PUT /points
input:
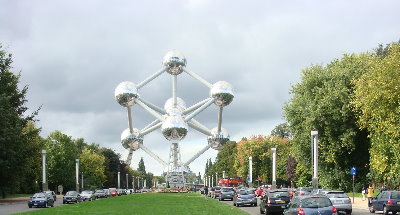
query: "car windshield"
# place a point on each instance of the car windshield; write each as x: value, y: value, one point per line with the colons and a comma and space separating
x: 243, y: 192
x: 71, y: 193
x: 279, y: 194
x: 226, y: 189
x: 39, y: 195
x: 316, y: 202
x: 395, y: 195
x: 337, y: 195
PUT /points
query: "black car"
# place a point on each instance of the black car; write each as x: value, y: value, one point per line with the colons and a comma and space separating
x: 72, y: 197
x: 41, y: 200
x: 386, y: 201
x: 274, y: 201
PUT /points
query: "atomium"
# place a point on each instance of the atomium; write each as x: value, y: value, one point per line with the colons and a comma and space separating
x: 175, y: 118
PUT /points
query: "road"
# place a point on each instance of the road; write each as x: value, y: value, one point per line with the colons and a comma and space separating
x: 256, y: 210
x: 19, y: 207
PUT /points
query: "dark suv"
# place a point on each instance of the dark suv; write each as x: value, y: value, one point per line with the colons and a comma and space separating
x: 386, y: 201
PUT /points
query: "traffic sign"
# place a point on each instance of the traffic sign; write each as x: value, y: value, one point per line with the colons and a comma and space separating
x: 353, y: 171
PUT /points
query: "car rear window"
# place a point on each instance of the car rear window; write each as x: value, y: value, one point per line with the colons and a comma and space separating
x: 395, y: 195
x: 279, y: 194
x: 337, y: 195
x: 227, y: 189
x: 316, y: 202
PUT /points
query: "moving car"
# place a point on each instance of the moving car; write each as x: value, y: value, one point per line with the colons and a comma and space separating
x: 52, y: 193
x: 72, y: 197
x: 310, y: 205
x: 259, y: 192
x: 386, y: 201
x: 274, y: 201
x: 217, y: 192
x: 226, y: 193
x: 87, y: 195
x: 243, y: 197
x: 41, y: 200
x: 340, y: 200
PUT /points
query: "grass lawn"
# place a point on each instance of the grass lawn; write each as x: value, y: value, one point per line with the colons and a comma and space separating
x: 147, y: 203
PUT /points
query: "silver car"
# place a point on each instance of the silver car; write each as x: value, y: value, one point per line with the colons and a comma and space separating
x: 340, y: 200
x: 226, y: 193
x: 87, y: 195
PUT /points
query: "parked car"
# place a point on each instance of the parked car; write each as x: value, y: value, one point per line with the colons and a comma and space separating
x: 340, y: 200
x: 113, y: 192
x: 99, y: 194
x: 226, y: 193
x: 217, y: 192
x: 72, y: 197
x: 310, y: 205
x: 386, y: 201
x: 243, y: 197
x: 52, y: 193
x: 107, y: 193
x: 41, y: 200
x: 274, y: 201
x: 87, y: 195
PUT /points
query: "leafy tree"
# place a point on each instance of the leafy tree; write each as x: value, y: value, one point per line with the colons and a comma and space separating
x: 282, y: 130
x: 376, y: 100
x: 14, y: 142
x: 111, y: 165
x: 225, y: 160
x: 92, y: 167
x: 321, y: 101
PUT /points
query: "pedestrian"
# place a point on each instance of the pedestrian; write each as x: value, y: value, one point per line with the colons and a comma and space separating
x: 206, y: 192
x: 363, y: 192
x: 370, y: 194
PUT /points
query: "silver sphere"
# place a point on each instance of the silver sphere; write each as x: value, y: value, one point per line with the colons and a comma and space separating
x: 126, y: 93
x: 174, y: 128
x: 171, y: 109
x: 218, y: 140
x: 222, y: 92
x: 131, y: 141
x: 175, y: 61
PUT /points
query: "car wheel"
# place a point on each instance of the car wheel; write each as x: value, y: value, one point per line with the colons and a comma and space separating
x: 385, y: 210
x: 30, y: 206
x: 394, y: 212
x: 371, y: 210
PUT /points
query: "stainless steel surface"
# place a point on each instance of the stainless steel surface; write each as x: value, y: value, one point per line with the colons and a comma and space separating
x: 131, y: 140
x: 174, y: 61
x: 174, y: 128
x: 218, y: 139
x: 222, y: 92
x: 126, y: 93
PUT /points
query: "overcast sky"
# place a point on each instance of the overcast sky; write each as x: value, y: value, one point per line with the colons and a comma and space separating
x: 72, y: 55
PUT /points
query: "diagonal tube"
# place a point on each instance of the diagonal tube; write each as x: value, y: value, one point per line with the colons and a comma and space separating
x: 150, y: 129
x: 198, y: 78
x: 199, y: 127
x: 155, y: 75
x: 145, y: 149
x: 197, y: 155
x: 149, y: 110
x: 195, y: 106
x: 153, y: 106
x: 129, y: 158
x: 201, y: 108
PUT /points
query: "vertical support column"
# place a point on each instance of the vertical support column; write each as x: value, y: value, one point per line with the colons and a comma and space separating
x: 223, y: 174
x: 208, y: 177
x: 44, y: 178
x: 119, y: 180
x: 82, y: 180
x: 133, y: 182
x: 250, y: 171
x: 77, y: 175
x: 127, y: 181
x: 273, y: 168
x: 138, y: 184
x: 219, y: 119
x: 314, y: 137
x: 130, y: 119
x: 144, y: 182
x: 174, y: 88
x: 216, y: 179
x: 212, y: 181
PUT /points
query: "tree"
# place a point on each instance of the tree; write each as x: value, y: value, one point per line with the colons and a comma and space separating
x: 14, y: 143
x: 282, y: 130
x: 225, y: 160
x: 376, y: 100
x: 92, y: 167
x: 111, y: 165
x: 321, y: 101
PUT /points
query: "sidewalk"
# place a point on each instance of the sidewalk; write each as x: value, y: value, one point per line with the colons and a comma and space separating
x: 359, y: 202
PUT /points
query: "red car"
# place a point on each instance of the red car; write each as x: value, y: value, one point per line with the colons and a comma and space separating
x: 113, y: 192
x: 259, y: 192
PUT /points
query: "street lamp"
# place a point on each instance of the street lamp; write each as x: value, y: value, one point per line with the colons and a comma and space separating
x: 273, y: 168
x: 250, y: 171
x: 314, y: 150
x: 126, y: 180
x: 77, y: 175
x: 119, y: 180
x: 44, y: 181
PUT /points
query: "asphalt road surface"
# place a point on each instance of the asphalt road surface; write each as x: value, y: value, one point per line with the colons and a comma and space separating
x: 256, y: 210
x: 19, y: 207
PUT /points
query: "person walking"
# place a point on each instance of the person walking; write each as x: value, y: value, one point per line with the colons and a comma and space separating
x: 370, y: 194
x: 363, y: 192
x: 206, y: 192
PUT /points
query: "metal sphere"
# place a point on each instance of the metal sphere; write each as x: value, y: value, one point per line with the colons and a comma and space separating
x: 175, y: 61
x: 126, y: 93
x: 172, y: 109
x: 222, y: 92
x: 174, y: 128
x: 218, y: 140
x: 131, y: 141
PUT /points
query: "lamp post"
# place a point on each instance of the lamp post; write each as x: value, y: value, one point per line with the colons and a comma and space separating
x: 44, y: 179
x: 273, y: 168
x: 127, y: 181
x: 77, y: 174
x: 133, y: 182
x: 250, y: 171
x: 223, y: 174
x: 314, y: 150
x: 119, y: 180
x: 216, y: 179
x: 82, y: 180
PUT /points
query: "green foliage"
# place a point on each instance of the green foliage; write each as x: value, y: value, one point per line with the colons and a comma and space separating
x: 377, y: 102
x: 282, y: 130
x: 18, y: 140
x: 224, y: 160
x: 111, y: 165
x: 92, y: 167
x: 321, y: 101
